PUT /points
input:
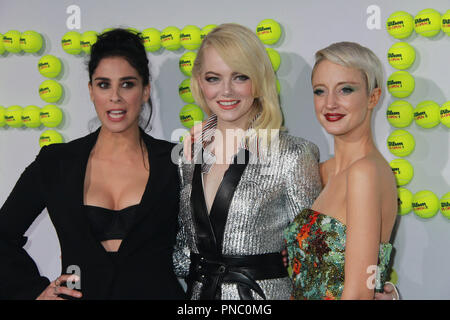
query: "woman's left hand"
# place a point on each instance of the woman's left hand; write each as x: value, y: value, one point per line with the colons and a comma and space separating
x: 390, y: 293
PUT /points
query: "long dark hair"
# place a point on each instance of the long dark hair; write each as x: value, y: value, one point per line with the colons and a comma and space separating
x: 128, y: 45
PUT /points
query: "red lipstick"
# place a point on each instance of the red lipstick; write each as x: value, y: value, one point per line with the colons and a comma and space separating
x: 332, y: 117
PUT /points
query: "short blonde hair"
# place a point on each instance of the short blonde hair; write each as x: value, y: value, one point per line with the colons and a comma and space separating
x: 353, y: 55
x: 243, y: 52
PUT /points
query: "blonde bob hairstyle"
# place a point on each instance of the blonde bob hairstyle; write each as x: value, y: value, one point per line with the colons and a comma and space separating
x: 243, y: 52
x: 353, y: 55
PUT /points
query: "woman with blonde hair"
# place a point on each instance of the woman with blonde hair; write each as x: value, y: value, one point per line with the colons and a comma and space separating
x: 248, y: 178
x: 339, y: 249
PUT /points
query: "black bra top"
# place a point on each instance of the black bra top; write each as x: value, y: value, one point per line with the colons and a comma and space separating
x: 108, y: 224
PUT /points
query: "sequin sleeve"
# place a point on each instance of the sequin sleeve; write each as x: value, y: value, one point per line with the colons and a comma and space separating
x: 181, y: 260
x: 303, y: 183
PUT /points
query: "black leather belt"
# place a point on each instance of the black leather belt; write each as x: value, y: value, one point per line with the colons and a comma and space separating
x: 241, y: 270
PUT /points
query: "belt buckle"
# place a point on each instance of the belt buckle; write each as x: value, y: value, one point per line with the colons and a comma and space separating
x: 214, y: 266
x: 222, y: 269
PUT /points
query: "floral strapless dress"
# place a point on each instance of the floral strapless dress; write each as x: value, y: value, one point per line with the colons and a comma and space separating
x: 316, y: 249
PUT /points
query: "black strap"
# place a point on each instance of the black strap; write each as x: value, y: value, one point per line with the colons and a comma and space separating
x: 204, y: 234
x: 209, y: 229
x: 224, y: 196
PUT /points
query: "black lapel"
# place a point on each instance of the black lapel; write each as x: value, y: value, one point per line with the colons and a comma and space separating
x: 224, y: 196
x: 210, y: 229
x: 159, y: 160
x: 205, y: 238
x: 74, y: 166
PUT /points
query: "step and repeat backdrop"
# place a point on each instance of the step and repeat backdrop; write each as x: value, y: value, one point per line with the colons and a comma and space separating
x: 44, y: 98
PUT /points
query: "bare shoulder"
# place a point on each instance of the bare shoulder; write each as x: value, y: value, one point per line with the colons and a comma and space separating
x: 366, y: 165
x: 369, y: 170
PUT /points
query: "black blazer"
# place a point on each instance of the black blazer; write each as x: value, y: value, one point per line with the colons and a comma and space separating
x: 55, y: 180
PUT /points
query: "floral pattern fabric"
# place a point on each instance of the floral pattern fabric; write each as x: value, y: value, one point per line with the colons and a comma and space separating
x: 316, y: 249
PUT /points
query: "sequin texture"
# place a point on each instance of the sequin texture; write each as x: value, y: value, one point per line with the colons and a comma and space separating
x: 316, y: 249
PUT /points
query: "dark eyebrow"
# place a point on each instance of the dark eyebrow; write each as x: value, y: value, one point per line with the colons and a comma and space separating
x: 128, y: 78
x: 121, y: 79
x: 101, y: 79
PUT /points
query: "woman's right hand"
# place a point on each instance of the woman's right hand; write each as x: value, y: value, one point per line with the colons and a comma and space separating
x: 54, y: 289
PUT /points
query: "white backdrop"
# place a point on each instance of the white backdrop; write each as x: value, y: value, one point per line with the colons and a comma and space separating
x: 421, y: 258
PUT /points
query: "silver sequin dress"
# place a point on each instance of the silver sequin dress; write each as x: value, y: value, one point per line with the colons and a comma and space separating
x: 267, y: 198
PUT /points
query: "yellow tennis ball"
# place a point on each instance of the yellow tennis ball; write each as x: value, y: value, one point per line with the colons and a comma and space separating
x: 71, y: 42
x: 445, y: 22
x: 30, y: 41
x: 404, y: 198
x: 426, y: 114
x: 207, y: 29
x: 11, y: 41
x: 2, y: 46
x: 50, y: 91
x: 30, y: 116
x: 106, y: 30
x: 184, y: 90
x: 275, y: 58
x: 401, y: 143
x: 186, y: 63
x: 2, y: 116
x: 400, y: 113
x: 445, y: 114
x: 13, y: 116
x: 268, y: 31
x: 400, y: 24
x: 401, y: 55
x: 151, y: 38
x: 425, y: 204
x: 50, y: 137
x: 400, y: 84
x: 87, y: 39
x: 49, y: 66
x: 428, y: 22
x: 403, y: 171
x: 190, y: 37
x: 133, y: 30
x: 51, y: 116
x: 190, y: 114
x: 170, y: 38
x: 445, y: 205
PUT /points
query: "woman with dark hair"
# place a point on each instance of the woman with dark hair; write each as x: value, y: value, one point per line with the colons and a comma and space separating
x: 111, y: 195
